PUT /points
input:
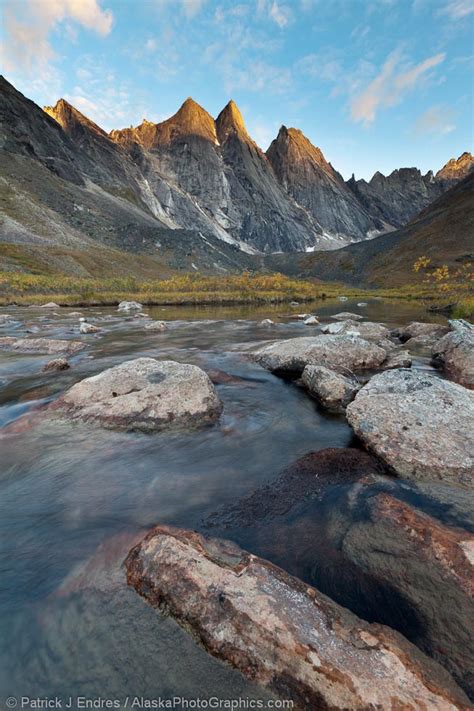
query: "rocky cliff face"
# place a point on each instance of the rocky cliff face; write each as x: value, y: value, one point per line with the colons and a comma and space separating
x: 397, y: 197
x: 306, y: 175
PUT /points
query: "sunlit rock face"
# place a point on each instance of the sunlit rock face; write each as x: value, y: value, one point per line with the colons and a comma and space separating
x: 306, y: 175
x: 456, y: 168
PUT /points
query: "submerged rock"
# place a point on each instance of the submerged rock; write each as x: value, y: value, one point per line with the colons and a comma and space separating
x: 347, y: 315
x: 129, y: 306
x: 431, y: 566
x: 367, y: 330
x: 422, y: 427
x: 56, y: 364
x: 267, y: 322
x: 340, y: 353
x: 333, y: 390
x: 40, y: 345
x: 281, y: 633
x: 156, y: 326
x: 144, y: 394
x: 454, y: 353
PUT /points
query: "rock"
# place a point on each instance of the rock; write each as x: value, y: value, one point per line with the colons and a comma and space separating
x: 347, y: 315
x: 342, y: 298
x: 420, y: 426
x: 267, y: 322
x: 56, y: 364
x: 418, y: 328
x: 129, y: 306
x: 74, y: 314
x: 144, y: 394
x: 220, y: 377
x: 333, y: 390
x: 361, y: 304
x: 454, y: 353
x: 294, y: 303
x: 340, y: 353
x: 397, y: 359
x: 421, y: 343
x: 431, y: 566
x: 311, y: 321
x: 281, y: 633
x: 87, y: 327
x: 49, y: 305
x: 40, y: 345
x: 140, y: 314
x: 156, y: 326
x: 368, y: 330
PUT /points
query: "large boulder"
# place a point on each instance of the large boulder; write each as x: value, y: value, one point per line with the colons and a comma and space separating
x: 428, y: 564
x: 333, y: 390
x: 340, y: 353
x: 454, y: 353
x: 420, y: 426
x: 416, y: 329
x: 144, y: 394
x: 282, y: 633
x: 41, y: 345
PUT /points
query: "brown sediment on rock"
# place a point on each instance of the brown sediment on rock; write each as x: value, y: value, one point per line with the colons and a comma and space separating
x: 279, y: 632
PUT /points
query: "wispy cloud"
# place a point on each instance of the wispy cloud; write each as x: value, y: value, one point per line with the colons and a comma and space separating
x: 390, y: 85
x: 457, y: 9
x: 437, y: 120
x: 28, y: 26
x: 277, y: 12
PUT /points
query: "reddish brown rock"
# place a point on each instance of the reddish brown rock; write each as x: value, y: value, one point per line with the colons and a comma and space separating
x: 56, y: 364
x: 281, y: 633
x: 431, y: 566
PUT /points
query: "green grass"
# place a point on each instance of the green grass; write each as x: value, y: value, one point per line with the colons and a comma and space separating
x: 20, y: 288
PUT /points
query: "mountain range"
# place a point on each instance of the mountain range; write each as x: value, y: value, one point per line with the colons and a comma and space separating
x: 189, y: 193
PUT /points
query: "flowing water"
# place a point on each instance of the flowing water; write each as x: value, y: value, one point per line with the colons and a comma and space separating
x: 74, y: 498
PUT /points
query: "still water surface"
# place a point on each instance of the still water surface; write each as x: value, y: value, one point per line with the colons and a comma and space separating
x: 74, y: 498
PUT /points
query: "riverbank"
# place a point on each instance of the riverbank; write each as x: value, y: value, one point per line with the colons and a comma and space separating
x: 189, y: 289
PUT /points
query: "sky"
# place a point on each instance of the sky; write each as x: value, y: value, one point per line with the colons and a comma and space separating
x: 376, y: 84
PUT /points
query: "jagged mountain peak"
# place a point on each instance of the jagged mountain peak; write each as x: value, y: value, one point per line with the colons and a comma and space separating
x: 230, y: 120
x: 457, y: 168
x: 190, y: 119
x: 296, y: 147
x: 71, y: 119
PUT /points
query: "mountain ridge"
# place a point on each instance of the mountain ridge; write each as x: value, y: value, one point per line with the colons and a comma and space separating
x: 190, y: 178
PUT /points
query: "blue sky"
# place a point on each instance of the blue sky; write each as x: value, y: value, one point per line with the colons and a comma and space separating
x: 376, y: 84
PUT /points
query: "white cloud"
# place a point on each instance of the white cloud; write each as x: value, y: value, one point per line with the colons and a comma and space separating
x: 28, y: 25
x: 262, y: 132
x: 437, y: 120
x: 389, y: 86
x: 457, y: 9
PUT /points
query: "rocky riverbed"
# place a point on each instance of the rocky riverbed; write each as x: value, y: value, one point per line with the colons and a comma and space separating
x: 328, y: 463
